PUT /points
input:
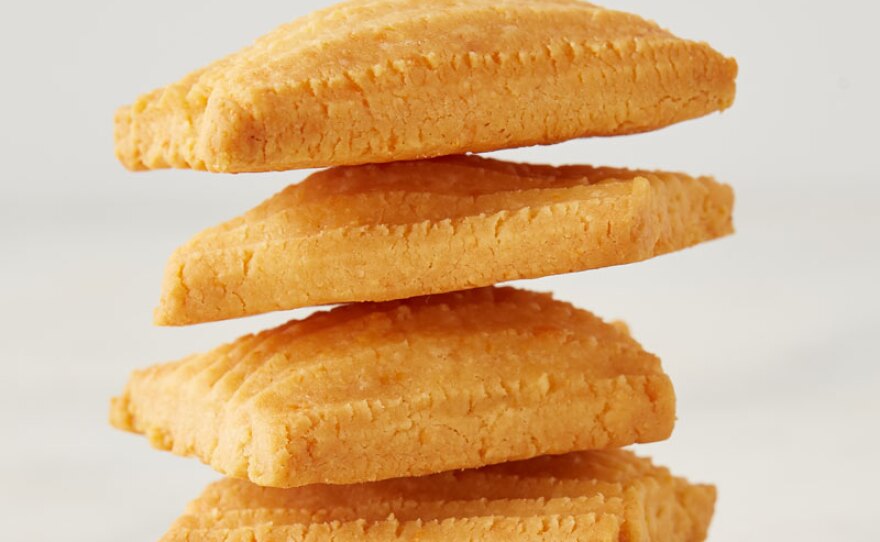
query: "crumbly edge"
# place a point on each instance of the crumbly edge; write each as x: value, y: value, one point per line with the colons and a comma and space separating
x: 301, y: 449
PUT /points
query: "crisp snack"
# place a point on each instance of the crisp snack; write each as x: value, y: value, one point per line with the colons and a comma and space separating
x: 610, y: 496
x: 383, y: 80
x: 373, y: 391
x: 391, y: 231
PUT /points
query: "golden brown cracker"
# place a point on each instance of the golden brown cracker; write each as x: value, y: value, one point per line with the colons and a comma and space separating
x: 372, y: 391
x: 607, y: 496
x: 391, y: 231
x: 372, y: 81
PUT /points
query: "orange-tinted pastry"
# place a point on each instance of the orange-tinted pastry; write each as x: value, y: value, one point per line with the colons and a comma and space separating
x: 610, y: 496
x: 391, y: 231
x: 371, y: 81
x: 372, y: 391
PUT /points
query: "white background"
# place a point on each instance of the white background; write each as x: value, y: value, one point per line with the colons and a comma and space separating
x: 770, y: 336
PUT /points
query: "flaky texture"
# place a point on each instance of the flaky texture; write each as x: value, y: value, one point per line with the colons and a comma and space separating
x: 372, y: 81
x: 391, y: 231
x: 610, y: 496
x: 373, y: 391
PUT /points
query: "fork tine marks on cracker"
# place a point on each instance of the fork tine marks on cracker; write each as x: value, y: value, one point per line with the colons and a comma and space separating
x: 606, y: 496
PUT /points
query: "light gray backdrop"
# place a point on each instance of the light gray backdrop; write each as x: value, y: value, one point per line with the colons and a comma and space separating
x: 770, y: 336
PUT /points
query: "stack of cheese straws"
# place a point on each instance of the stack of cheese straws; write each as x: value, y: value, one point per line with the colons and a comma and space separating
x: 432, y: 406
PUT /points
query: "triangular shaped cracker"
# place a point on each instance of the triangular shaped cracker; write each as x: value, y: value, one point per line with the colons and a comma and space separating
x: 383, y: 80
x: 606, y: 496
x: 373, y: 391
x: 390, y: 231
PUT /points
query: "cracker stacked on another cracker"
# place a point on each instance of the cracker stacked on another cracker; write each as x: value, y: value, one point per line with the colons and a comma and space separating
x: 355, y: 423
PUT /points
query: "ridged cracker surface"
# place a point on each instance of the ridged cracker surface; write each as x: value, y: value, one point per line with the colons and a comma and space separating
x: 391, y: 231
x: 375, y: 81
x: 610, y: 496
x: 373, y: 391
